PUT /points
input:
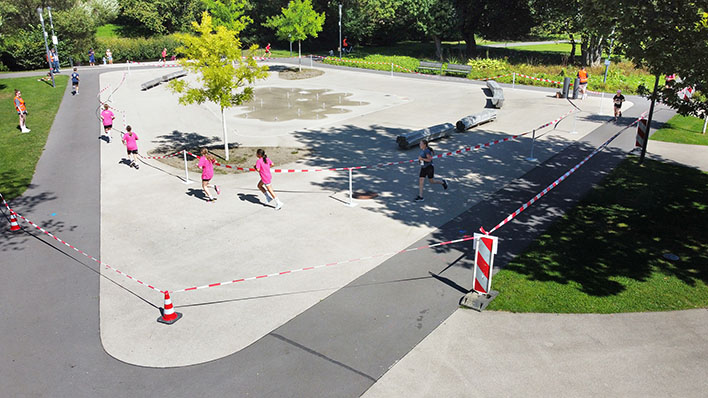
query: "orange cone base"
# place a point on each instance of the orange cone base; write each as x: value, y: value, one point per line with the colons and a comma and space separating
x: 177, y: 317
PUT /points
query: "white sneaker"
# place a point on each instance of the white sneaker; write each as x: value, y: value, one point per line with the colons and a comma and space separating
x: 279, y: 205
x: 25, y: 130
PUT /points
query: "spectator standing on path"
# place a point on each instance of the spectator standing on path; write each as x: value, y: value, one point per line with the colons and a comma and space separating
x: 55, y: 57
x: 164, y: 56
x: 346, y: 47
x: 92, y: 57
x: 109, y: 55
x: 426, y: 169
x: 618, y: 99
x: 206, y: 163
x: 107, y: 116
x: 583, y: 76
x: 263, y: 165
x: 21, y: 111
x: 75, y: 82
x: 131, y: 145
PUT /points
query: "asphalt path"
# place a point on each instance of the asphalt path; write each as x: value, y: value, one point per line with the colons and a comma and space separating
x: 49, y: 338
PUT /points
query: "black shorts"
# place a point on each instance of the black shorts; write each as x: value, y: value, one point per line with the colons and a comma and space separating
x: 428, y: 171
x: 107, y: 126
x: 75, y: 83
x: 205, y: 180
x: 618, y: 106
x: 21, y: 112
x: 133, y: 151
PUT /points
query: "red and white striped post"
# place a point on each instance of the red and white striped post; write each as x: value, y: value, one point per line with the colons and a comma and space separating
x: 641, y: 132
x: 486, y: 248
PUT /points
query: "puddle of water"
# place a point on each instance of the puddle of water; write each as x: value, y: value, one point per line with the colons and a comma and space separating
x: 276, y: 104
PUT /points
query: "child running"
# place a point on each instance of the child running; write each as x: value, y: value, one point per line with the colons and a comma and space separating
x: 130, y: 141
x: 75, y: 82
x: 107, y: 116
x: 263, y: 165
x: 206, y: 163
x: 426, y: 169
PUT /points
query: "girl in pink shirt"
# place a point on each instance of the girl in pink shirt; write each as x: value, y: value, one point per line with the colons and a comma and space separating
x: 206, y: 163
x: 131, y: 145
x: 107, y: 117
x: 263, y: 165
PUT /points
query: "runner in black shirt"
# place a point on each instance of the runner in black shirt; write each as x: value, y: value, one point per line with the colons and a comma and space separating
x: 618, y: 99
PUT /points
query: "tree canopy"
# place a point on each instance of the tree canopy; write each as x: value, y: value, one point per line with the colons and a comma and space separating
x: 214, y: 55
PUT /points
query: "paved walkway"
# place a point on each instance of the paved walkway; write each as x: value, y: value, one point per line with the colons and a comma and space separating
x: 338, y: 347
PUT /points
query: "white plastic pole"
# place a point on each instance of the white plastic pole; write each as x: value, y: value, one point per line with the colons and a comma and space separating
x: 513, y: 80
x: 310, y: 60
x: 128, y: 66
x: 351, y: 192
x: 705, y: 123
x: 533, y: 140
x: 602, y: 99
x: 186, y: 170
x: 575, y: 121
x: 391, y: 69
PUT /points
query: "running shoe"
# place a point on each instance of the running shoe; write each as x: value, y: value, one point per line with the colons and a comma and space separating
x: 444, y: 184
x: 218, y: 191
x: 418, y: 199
x: 279, y: 206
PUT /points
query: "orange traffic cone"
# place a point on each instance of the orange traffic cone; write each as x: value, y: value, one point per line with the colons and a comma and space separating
x: 14, y: 226
x: 169, y: 316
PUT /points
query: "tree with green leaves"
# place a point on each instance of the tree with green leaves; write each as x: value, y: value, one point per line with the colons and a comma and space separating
x: 436, y: 19
x: 159, y: 16
x: 297, y: 22
x: 593, y: 20
x: 229, y: 13
x: 215, y: 56
x: 668, y: 37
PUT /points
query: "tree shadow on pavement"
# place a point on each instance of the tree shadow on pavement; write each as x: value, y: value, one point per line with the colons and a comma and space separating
x: 178, y: 140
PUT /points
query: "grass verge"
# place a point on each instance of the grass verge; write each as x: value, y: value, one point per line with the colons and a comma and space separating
x: 606, y: 255
x: 19, y: 152
x: 682, y: 130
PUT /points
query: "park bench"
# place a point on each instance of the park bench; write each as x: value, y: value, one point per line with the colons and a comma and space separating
x: 431, y: 66
x: 151, y: 83
x: 464, y: 69
x: 476, y: 119
x: 174, y: 75
x: 497, y: 93
x: 411, y: 139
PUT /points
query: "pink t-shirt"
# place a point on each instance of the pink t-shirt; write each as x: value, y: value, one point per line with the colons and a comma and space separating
x: 130, y: 141
x: 107, y: 116
x: 207, y: 168
x: 264, y: 170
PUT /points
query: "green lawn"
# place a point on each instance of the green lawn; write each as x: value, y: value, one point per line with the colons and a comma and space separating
x: 551, y: 48
x: 19, y: 152
x: 682, y: 130
x: 605, y: 255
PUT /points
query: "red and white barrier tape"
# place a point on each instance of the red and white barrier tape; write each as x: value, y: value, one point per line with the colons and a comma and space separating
x: 77, y: 249
x: 556, y: 182
x: 161, y: 157
x: 155, y: 63
x: 443, y: 155
x: 252, y: 278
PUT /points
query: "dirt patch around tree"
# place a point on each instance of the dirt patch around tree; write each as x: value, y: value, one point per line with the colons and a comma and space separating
x: 238, y: 157
x: 293, y: 73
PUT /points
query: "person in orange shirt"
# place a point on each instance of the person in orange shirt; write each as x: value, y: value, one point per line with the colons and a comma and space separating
x: 583, y: 76
x: 21, y: 111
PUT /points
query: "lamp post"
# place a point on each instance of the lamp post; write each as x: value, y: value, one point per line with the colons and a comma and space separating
x: 55, y: 42
x: 607, y: 61
x: 340, y: 31
x: 46, y: 46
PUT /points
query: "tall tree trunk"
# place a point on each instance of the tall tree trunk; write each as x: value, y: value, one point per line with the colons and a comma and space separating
x: 470, y: 45
x: 226, y: 138
x: 572, y: 48
x: 438, y: 47
x: 592, y: 50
